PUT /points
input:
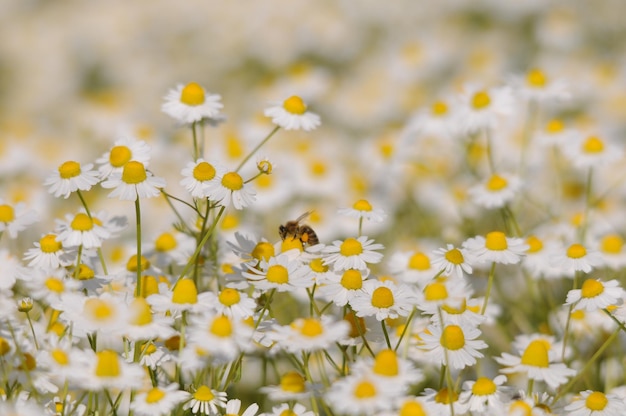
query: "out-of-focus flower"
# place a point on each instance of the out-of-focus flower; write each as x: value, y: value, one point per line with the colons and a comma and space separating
x: 190, y: 103
x: 292, y: 114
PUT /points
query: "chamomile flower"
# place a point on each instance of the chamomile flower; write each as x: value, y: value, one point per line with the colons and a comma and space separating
x: 10, y: 269
x: 459, y: 342
x: 442, y: 291
x: 123, y: 151
x: 596, y: 403
x: 595, y: 294
x: 108, y: 370
x: 47, y: 254
x: 281, y: 273
x: 612, y: 250
x: 482, y: 108
x: 390, y: 368
x: 81, y: 230
x: 232, y: 303
x: 362, y: 209
x: 592, y: 151
x: 183, y: 296
x: 292, y: 386
x: 223, y: 338
x: 484, y: 395
x: 575, y: 258
x: 190, y: 103
x: 158, y: 400
x: 352, y: 253
x: 206, y: 401
x: 412, y: 267
x: 341, y: 287
x: 286, y: 409
x: 143, y: 324
x: 48, y: 285
x: 292, y: 114
x: 497, y: 191
x: 538, y: 258
x: 15, y: 218
x: 309, y: 334
x: 359, y: 394
x: 495, y: 247
x: 452, y: 261
x: 106, y: 313
x: 536, y: 86
x: 233, y: 407
x: 383, y: 299
x: 231, y: 189
x: 133, y: 182
x: 71, y: 177
x: 199, y: 174
x: 170, y: 247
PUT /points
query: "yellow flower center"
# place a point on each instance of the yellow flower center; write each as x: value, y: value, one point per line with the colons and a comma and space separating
x: 149, y: 286
x: 382, y: 298
x: 232, y: 181
x: 69, y: 169
x: 318, y: 168
x: 134, y: 172
x: 350, y: 247
x: 277, y: 274
x: 496, y: 241
x: 444, y: 396
x: 5, y: 347
x: 55, y: 285
x: 362, y: 205
x: 484, y: 387
x: 292, y: 382
x: 222, y: 326
x: 593, y: 144
x: 7, y: 214
x: 454, y: 256
x: 263, y: 251
x: 352, y: 279
x: 185, y: 292
x: 155, y: 395
x: 612, y: 244
x: 108, y: 364
x: 481, y: 100
x: 98, y: 309
x: 536, y: 354
x: 140, y: 312
x: 419, y: 261
x: 119, y: 156
x: 59, y: 356
x: 49, y: 244
x: 596, y: 401
x: 536, y: 78
x: 203, y: 171
x: 456, y: 308
x: 82, y: 222
x: 311, y: 327
x: 386, y: 363
x: 439, y: 108
x: 576, y: 251
x: 287, y: 412
x: 165, y: 242
x: 318, y: 266
x: 591, y: 288
x: 578, y: 315
x: 229, y: 297
x: 294, y: 105
x: 534, y: 244
x: 435, y: 291
x: 290, y: 244
x: 554, y: 126
x: 131, y: 265
x: 452, y: 338
x: 496, y: 183
x: 203, y: 394
x: 85, y: 272
x: 520, y: 407
x: 192, y: 94
x: 364, y: 390
x: 412, y: 408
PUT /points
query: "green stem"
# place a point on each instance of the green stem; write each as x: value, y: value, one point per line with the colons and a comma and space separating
x: 243, y: 162
x: 82, y: 200
x: 138, y: 221
x: 489, y: 285
x: 195, y: 141
x: 382, y: 323
x: 32, y: 330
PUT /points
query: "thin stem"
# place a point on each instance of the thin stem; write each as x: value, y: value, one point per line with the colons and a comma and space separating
x: 138, y: 221
x: 82, y: 200
x: 489, y: 285
x: 32, y: 330
x: 243, y: 162
x: 195, y: 141
x: 382, y: 323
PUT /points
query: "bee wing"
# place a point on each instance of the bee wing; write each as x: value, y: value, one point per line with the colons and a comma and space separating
x: 303, y: 216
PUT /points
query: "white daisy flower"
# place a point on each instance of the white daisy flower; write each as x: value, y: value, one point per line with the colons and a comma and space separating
x: 47, y: 254
x: 292, y: 114
x: 233, y: 407
x: 484, y: 395
x: 108, y: 370
x: 199, y: 174
x: 384, y: 299
x: 539, y: 256
x: 106, y: 313
x: 412, y: 267
x: 230, y: 189
x: 292, y: 386
x: 460, y: 345
x: 309, y: 334
x: 451, y: 261
x: 341, y: 287
x: 122, y: 152
x: 190, y: 103
x: 596, y: 403
x: 232, y: 303
x: 359, y: 394
x: 281, y: 273
x: 497, y: 191
x: 205, y: 401
x: 595, y: 294
x: 495, y: 247
x: 575, y: 258
x: 287, y: 409
x: 362, y: 209
x: 481, y: 109
x: 536, y: 86
x: 71, y: 177
x: 592, y: 151
x: 183, y: 296
x: 352, y: 253
x: 133, y: 182
x: 443, y: 291
x: 10, y: 268
x: 390, y: 368
x: 158, y: 401
x: 612, y: 250
x: 81, y: 230
x: 15, y: 218
x: 143, y: 324
x: 48, y: 285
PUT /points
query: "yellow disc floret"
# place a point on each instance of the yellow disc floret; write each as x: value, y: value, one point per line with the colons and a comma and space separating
x: 232, y: 181
x: 69, y: 169
x: 382, y: 297
x: 203, y: 171
x: 192, y: 94
x: 294, y: 105
x: 119, y: 156
x: 496, y: 241
x: 350, y: 247
x: 134, y: 172
x: 7, y: 214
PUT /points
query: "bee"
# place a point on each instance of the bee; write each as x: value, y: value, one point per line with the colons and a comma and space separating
x: 293, y: 229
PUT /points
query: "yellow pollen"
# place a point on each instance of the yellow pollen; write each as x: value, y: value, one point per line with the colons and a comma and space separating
x: 535, y: 245
x: 612, y: 244
x: 277, y: 274
x: 60, y: 356
x: 232, y: 181
x: 185, y: 292
x: 49, y: 244
x: 69, y: 169
x: 119, y: 156
x: 386, y: 363
x: 5, y: 347
x: 591, y: 288
x: 439, y: 108
x: 55, y: 285
x: 222, y: 326
x: 443, y: 396
x: 203, y: 394
x: 412, y: 408
x: 496, y: 241
x: 292, y: 382
x: 229, y: 297
x: 350, y: 247
x: 131, y: 265
x: 311, y: 327
x: 82, y: 222
x: 352, y: 279
x: 140, y: 312
x: 364, y: 390
x: 481, y: 100
x: 454, y: 256
x: 596, y: 401
x: 484, y: 387
x: 536, y: 78
x: 452, y: 338
x: 318, y: 266
x: 362, y: 205
x: 108, y: 364
x: 155, y: 395
x: 419, y: 261
x: 134, y: 172
x: 203, y: 171
x: 7, y: 214
x: 382, y: 298
x: 192, y: 94
x: 149, y: 286
x: 98, y: 309
x: 294, y: 105
x: 263, y: 251
x: 593, y: 144
x: 536, y: 354
x: 554, y: 126
x: 435, y: 291
x: 576, y: 251
x: 496, y: 183
x: 165, y: 242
